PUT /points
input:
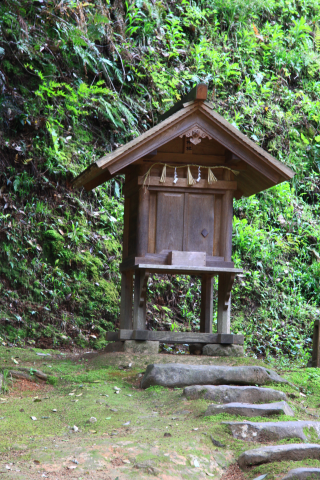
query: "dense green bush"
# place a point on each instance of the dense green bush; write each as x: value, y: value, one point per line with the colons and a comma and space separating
x: 79, y: 79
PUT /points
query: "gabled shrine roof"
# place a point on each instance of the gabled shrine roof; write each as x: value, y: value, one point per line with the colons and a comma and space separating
x: 262, y: 169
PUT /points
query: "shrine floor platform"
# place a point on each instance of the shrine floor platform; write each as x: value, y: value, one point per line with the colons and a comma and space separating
x: 176, y: 337
x: 193, y: 270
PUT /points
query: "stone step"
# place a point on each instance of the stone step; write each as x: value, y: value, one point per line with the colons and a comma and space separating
x: 279, y: 453
x: 250, y: 410
x: 228, y: 394
x: 272, y: 431
x: 303, y: 474
x: 180, y: 375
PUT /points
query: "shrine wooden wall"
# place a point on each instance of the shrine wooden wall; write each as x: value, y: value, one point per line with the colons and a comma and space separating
x: 165, y: 216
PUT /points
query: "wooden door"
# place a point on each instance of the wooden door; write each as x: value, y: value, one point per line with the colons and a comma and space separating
x: 169, y: 229
x: 198, y: 225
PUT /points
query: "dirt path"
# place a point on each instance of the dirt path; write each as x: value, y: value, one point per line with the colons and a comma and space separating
x: 156, y: 433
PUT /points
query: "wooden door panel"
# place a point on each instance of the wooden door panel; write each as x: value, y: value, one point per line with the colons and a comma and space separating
x: 170, y: 209
x: 199, y: 223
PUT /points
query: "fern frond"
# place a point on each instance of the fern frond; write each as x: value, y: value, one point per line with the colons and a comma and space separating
x: 317, y: 38
x: 269, y: 115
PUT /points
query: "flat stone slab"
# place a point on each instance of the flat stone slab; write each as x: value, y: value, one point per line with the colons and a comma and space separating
x: 141, y: 346
x: 251, y: 410
x: 278, y: 453
x: 303, y: 474
x: 271, y: 431
x: 219, y: 350
x: 180, y: 375
x: 228, y: 394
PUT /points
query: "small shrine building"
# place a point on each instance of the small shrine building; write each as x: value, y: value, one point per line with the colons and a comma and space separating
x: 181, y: 177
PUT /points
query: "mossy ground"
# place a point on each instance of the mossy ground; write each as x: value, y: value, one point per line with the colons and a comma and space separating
x: 48, y: 445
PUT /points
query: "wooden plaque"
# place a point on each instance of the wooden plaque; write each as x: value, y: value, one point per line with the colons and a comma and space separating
x: 192, y: 259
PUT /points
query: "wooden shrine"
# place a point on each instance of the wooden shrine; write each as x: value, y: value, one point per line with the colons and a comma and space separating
x: 180, y: 180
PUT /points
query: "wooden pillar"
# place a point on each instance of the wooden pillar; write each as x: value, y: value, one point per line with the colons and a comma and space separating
x: 316, y: 345
x: 206, y: 303
x: 224, y: 301
x: 126, y: 228
x: 143, y: 222
x: 226, y: 220
x: 226, y: 226
x: 140, y: 299
x: 126, y: 300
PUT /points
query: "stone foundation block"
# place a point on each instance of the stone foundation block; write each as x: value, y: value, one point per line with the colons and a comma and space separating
x: 219, y: 350
x: 303, y: 474
x: 180, y: 375
x: 230, y: 393
x: 250, y: 409
x: 278, y: 453
x: 141, y: 346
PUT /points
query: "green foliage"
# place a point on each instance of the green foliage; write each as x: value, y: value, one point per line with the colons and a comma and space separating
x: 52, y: 380
x: 156, y: 389
x: 78, y: 81
x: 5, y: 386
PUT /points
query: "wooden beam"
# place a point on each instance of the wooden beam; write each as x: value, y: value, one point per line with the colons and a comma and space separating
x: 199, y: 92
x: 143, y: 222
x: 140, y: 303
x: 316, y: 345
x: 170, y: 269
x: 224, y: 301
x: 126, y: 299
x: 126, y: 228
x: 183, y: 183
x: 206, y: 303
x: 227, y: 338
x: 178, y: 158
x: 180, y: 337
x: 222, y: 132
x: 175, y: 189
x: 163, y: 259
x: 170, y: 131
x: 102, y: 177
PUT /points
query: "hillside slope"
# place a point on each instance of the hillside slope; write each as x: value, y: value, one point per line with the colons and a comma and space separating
x: 78, y: 79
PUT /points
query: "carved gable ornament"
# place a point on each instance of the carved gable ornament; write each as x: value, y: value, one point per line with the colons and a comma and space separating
x: 195, y: 134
